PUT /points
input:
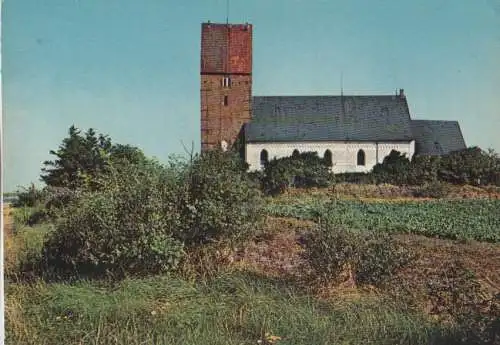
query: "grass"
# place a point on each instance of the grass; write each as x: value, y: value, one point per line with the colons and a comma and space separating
x: 452, y: 219
x: 234, y: 308
x: 24, y: 247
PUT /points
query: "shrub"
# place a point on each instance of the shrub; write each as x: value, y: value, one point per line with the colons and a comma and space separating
x: 125, y: 228
x: 368, y: 257
x: 394, y: 169
x: 470, y: 166
x: 424, y: 170
x: 219, y: 201
x: 301, y: 170
x: 141, y: 216
x: 330, y: 251
x: 379, y: 257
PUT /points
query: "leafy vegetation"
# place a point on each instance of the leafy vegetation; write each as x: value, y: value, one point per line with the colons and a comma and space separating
x: 365, y: 257
x: 470, y: 166
x: 465, y: 219
x: 81, y: 158
x: 218, y: 201
x: 302, y: 170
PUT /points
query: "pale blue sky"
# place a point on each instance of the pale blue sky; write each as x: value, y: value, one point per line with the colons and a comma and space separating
x: 130, y: 68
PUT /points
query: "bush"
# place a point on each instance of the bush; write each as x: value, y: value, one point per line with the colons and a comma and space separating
x: 127, y: 227
x: 303, y: 170
x: 470, y: 166
x: 379, y: 257
x: 424, y: 170
x: 367, y: 257
x: 141, y: 217
x: 394, y: 169
x: 330, y: 251
x: 219, y: 201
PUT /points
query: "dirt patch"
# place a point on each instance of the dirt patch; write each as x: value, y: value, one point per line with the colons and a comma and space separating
x: 277, y: 251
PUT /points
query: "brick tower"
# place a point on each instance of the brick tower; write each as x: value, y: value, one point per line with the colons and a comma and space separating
x: 226, y: 82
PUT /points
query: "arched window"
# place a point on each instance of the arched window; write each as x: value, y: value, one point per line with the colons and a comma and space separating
x: 327, y: 157
x: 361, y: 157
x: 263, y: 157
x: 295, y: 153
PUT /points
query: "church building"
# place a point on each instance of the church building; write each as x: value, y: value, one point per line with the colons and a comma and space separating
x: 353, y: 132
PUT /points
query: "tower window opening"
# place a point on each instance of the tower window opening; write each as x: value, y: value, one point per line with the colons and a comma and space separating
x: 226, y: 100
x: 226, y: 82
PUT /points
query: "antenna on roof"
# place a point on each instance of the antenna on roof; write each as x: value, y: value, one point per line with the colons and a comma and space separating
x: 342, y: 83
x: 227, y: 11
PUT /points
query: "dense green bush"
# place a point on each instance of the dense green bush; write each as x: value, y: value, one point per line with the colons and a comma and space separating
x: 394, y: 169
x: 369, y: 257
x: 127, y: 227
x: 301, y: 170
x: 141, y: 216
x: 424, y: 170
x: 219, y: 201
x: 470, y: 166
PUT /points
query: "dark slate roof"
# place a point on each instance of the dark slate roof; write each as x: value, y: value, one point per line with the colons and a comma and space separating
x: 437, y: 137
x: 329, y: 118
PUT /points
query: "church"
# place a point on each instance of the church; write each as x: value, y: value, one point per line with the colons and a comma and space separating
x: 353, y: 132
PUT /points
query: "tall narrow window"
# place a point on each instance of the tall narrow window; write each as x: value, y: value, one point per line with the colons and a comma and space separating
x: 328, y: 158
x: 361, y: 157
x: 226, y: 100
x: 264, y: 156
x: 226, y: 82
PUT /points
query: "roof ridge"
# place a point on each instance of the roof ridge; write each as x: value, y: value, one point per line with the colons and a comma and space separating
x: 276, y: 96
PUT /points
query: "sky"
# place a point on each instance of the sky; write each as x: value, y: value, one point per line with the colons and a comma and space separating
x: 130, y: 69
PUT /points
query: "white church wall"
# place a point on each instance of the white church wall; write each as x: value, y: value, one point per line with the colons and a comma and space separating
x: 344, y: 154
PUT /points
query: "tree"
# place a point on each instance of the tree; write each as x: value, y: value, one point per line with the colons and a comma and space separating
x: 82, y: 157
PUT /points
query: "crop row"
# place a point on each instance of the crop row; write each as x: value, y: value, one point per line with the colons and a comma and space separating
x: 458, y: 219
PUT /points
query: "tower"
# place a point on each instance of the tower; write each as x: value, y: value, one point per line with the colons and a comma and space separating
x: 226, y: 82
